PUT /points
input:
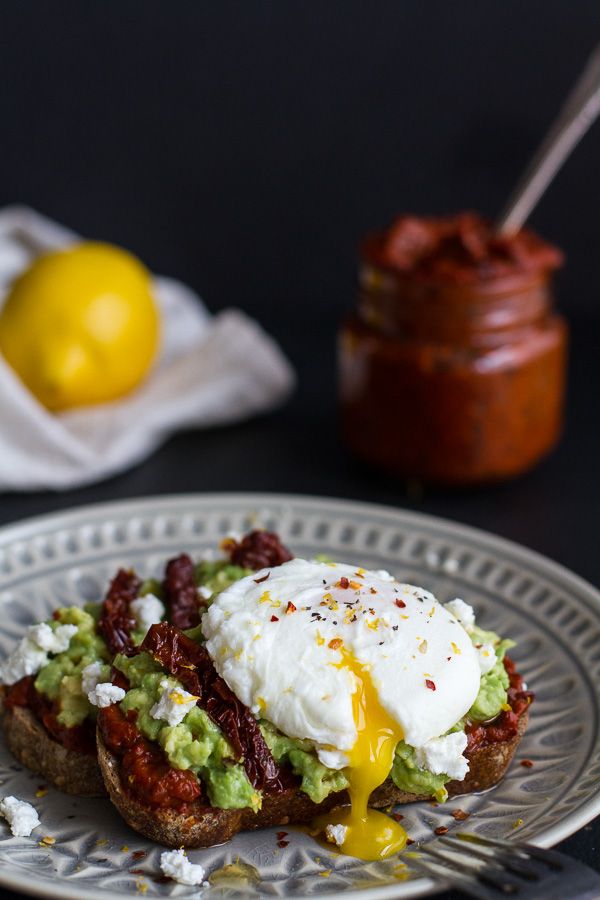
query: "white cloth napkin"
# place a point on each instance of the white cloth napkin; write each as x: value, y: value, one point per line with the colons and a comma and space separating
x: 211, y: 370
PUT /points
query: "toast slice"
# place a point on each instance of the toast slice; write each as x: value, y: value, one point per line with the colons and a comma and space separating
x: 69, y: 771
x: 202, y: 826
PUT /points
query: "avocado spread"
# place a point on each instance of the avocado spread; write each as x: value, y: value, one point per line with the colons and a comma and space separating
x: 215, y: 576
x: 199, y: 745
x: 196, y: 743
x: 60, y: 679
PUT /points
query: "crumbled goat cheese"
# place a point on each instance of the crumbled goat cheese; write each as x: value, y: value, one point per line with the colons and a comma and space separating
x: 31, y: 653
x: 462, y: 612
x: 52, y: 640
x: 148, y: 610
x: 105, y: 694
x: 91, y: 676
x: 336, y: 834
x: 173, y: 705
x: 21, y: 816
x: 205, y: 592
x: 444, y: 755
x: 26, y: 659
x: 486, y: 656
x: 176, y: 865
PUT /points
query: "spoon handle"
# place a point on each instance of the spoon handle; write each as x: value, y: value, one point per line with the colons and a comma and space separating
x: 579, y: 111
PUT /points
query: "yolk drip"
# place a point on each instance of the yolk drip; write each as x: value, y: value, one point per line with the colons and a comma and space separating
x: 370, y: 834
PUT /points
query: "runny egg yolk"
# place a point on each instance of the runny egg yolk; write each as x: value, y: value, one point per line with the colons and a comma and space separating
x: 370, y: 834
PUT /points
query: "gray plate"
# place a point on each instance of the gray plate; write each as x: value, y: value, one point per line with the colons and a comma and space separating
x: 67, y: 558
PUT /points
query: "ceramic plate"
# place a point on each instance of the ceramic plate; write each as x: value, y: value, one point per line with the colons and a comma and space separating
x: 68, y: 558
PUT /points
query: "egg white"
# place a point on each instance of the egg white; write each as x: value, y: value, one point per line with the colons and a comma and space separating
x: 279, y: 662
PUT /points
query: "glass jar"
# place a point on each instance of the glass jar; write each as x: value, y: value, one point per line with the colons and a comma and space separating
x: 450, y: 380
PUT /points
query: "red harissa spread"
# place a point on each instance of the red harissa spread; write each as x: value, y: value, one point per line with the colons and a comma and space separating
x: 452, y: 366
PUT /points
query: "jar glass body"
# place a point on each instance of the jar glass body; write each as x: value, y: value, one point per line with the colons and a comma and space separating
x: 452, y: 383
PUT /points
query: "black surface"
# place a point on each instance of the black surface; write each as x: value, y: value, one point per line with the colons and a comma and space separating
x: 245, y: 147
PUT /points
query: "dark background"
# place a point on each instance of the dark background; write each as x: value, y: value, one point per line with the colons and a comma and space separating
x: 244, y: 147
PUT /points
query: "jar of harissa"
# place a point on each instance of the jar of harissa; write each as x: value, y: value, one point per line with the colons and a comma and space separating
x: 452, y: 365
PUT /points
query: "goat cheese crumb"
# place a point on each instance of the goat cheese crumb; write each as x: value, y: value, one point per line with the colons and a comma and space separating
x: 205, y: 592
x: 26, y: 659
x: 173, y: 705
x: 336, y: 834
x: 31, y: 653
x: 148, y: 610
x: 52, y: 640
x: 92, y: 675
x: 105, y: 694
x: 486, y: 656
x: 444, y: 755
x: 462, y: 612
x: 176, y: 865
x: 21, y: 816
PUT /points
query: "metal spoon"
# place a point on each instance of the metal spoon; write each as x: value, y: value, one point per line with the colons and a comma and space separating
x: 579, y: 111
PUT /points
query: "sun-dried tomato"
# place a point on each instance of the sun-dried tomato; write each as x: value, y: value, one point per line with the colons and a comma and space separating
x: 506, y: 725
x: 181, y: 592
x: 116, y: 619
x: 18, y: 693
x: 119, y: 679
x: 191, y: 664
x: 80, y: 738
x: 258, y: 550
x: 145, y: 770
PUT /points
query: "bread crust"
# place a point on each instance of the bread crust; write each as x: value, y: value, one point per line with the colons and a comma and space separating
x: 67, y: 770
x: 203, y: 826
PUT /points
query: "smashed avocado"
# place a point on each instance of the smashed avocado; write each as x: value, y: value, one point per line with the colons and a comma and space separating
x: 196, y: 743
x: 407, y: 776
x: 217, y: 575
x: 60, y: 679
x: 317, y: 780
x: 492, y: 696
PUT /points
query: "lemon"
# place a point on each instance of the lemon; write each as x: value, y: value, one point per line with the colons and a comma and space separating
x: 80, y: 326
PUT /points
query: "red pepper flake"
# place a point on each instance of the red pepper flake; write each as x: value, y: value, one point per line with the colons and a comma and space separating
x: 441, y: 830
x: 343, y: 582
x: 274, y: 619
x: 335, y: 643
x: 282, y: 844
x: 260, y: 580
x: 527, y: 763
x: 290, y: 608
x: 397, y: 817
x: 430, y: 684
x: 409, y: 841
x: 373, y: 591
x: 460, y: 815
x: 139, y: 854
x: 281, y: 835
x: 400, y: 604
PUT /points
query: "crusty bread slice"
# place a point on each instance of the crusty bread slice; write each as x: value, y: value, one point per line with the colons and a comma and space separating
x: 203, y: 826
x: 67, y: 770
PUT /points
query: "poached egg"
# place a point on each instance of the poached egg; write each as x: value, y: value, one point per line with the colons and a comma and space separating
x: 350, y: 660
